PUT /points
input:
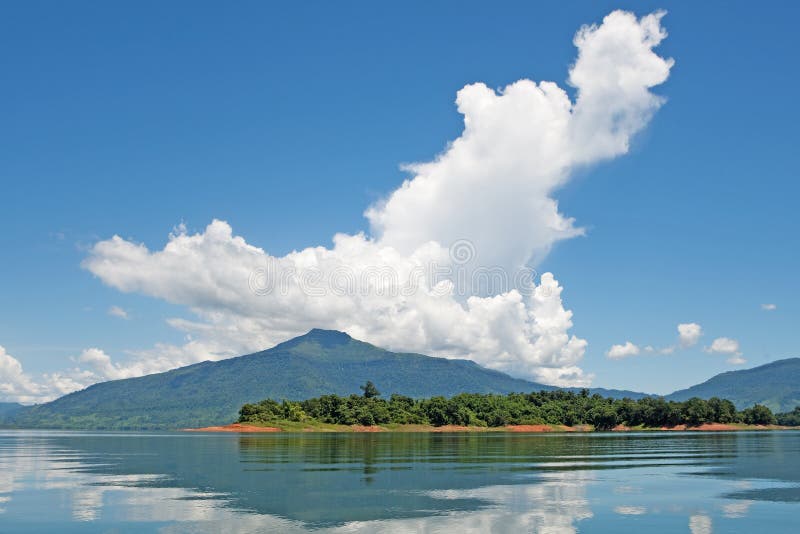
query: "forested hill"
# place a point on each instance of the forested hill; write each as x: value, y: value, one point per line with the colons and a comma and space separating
x: 8, y: 408
x: 775, y: 385
x: 319, y: 363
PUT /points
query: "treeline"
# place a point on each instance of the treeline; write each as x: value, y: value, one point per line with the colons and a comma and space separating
x: 489, y: 410
x: 789, y: 418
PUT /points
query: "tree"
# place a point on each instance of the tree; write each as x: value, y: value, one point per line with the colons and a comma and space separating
x: 292, y: 411
x: 370, y: 390
x: 696, y: 412
x: 723, y: 410
x: 435, y: 410
x: 758, y: 415
x: 603, y: 417
x: 249, y: 412
x: 789, y: 418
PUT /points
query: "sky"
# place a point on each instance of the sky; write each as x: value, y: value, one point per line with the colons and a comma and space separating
x: 161, y: 164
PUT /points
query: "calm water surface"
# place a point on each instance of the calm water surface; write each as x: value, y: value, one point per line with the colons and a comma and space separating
x: 655, y: 482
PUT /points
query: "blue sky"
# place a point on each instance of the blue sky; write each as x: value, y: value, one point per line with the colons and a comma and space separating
x: 289, y: 121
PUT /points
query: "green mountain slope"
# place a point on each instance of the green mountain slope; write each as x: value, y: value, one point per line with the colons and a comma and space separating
x: 776, y: 385
x: 7, y: 408
x: 211, y: 393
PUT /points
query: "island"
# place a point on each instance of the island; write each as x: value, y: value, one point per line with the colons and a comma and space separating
x: 540, y: 411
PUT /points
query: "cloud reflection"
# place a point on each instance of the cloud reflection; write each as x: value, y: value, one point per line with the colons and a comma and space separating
x: 736, y: 510
x: 630, y: 510
x: 555, y: 503
x: 700, y: 524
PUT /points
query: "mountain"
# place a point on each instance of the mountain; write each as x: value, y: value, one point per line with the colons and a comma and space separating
x: 776, y: 385
x: 7, y: 408
x: 613, y: 393
x: 326, y: 361
x: 210, y: 393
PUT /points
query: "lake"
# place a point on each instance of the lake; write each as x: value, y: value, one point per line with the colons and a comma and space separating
x: 461, y: 482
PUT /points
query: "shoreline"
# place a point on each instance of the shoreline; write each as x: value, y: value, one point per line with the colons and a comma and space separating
x: 234, y: 427
x: 292, y: 427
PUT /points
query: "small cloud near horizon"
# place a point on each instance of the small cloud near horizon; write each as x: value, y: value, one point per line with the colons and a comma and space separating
x: 729, y: 346
x: 688, y: 336
x: 769, y: 307
x: 617, y: 352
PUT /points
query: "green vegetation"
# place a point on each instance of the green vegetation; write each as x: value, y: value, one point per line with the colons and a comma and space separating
x: 491, y: 410
x: 7, y: 408
x: 789, y: 418
x: 370, y: 390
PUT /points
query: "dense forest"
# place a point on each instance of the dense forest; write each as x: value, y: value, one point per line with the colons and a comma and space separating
x: 790, y: 418
x: 491, y: 410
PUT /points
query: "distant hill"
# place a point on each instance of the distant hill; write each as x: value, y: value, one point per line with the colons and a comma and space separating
x: 614, y: 393
x: 9, y: 408
x: 776, y: 385
x: 210, y: 393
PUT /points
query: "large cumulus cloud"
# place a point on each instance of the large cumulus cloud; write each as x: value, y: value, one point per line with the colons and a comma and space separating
x: 246, y: 299
x: 494, y: 184
x: 492, y: 189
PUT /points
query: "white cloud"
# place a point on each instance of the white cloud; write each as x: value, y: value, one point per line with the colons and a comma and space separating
x: 689, y: 334
x: 769, y: 307
x: 729, y: 346
x: 63, y: 382
x: 723, y: 345
x: 494, y: 185
x: 116, y: 311
x: 18, y: 386
x: 617, y: 352
x: 94, y: 366
x: 15, y: 384
x: 211, y: 273
x: 103, y: 368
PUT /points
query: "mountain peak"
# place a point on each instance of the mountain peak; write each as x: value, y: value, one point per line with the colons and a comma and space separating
x: 321, y: 337
x: 327, y: 337
x: 326, y: 345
